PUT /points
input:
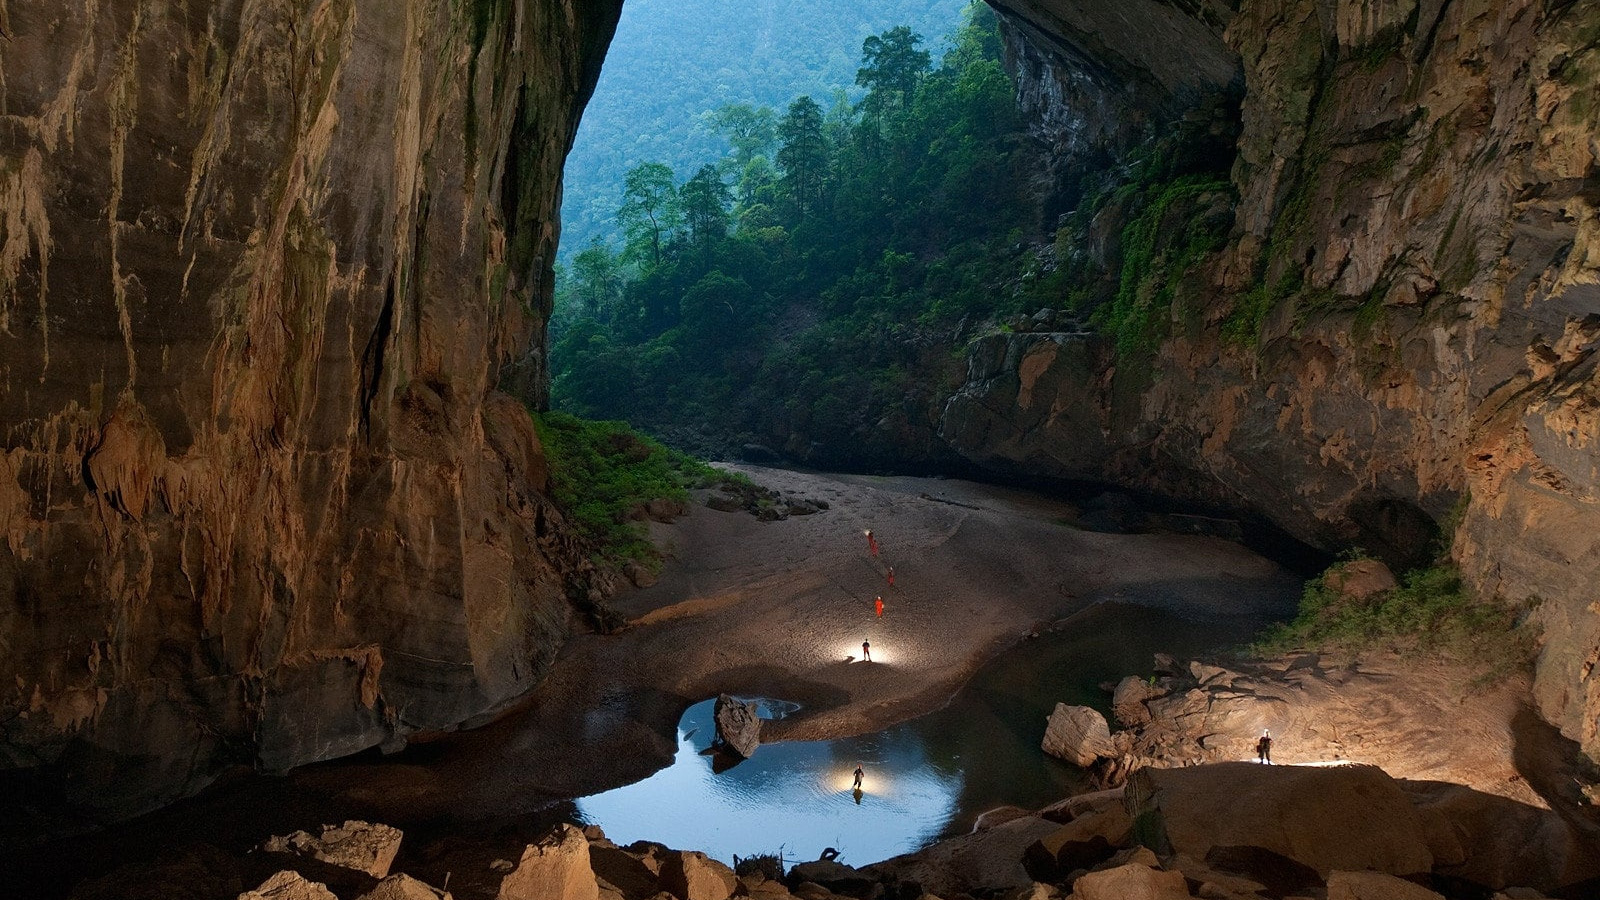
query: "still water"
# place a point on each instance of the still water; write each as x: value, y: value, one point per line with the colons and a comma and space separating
x: 924, y: 779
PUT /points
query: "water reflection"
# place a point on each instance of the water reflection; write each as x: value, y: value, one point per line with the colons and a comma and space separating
x: 795, y: 794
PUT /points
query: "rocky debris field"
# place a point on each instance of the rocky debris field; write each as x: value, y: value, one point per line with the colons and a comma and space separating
x: 1230, y: 831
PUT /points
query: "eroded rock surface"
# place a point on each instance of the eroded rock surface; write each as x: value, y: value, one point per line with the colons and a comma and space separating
x: 264, y: 269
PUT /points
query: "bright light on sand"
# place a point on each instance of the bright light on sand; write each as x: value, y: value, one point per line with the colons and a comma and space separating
x: 852, y: 652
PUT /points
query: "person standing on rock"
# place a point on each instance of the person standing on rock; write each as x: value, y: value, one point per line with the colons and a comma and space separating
x: 872, y: 543
x: 878, y: 604
x: 1264, y: 748
x: 866, y: 651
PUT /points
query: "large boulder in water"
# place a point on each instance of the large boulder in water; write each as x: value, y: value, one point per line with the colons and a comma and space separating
x: 738, y: 725
x: 1349, y: 818
x: 1078, y: 735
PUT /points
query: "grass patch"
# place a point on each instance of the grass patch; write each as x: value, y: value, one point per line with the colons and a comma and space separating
x: 1430, y: 611
x: 603, y: 473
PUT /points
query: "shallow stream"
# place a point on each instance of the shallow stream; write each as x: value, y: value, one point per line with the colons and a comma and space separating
x: 924, y: 779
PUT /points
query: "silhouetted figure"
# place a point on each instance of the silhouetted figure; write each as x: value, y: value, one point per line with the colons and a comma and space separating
x: 872, y: 543
x: 859, y: 773
x: 1264, y: 748
x: 891, y: 576
x: 878, y: 604
x: 866, y: 651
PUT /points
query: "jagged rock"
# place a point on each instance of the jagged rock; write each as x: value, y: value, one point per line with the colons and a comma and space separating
x: 738, y: 725
x: 355, y: 845
x: 404, y: 887
x: 1127, y: 701
x: 554, y: 868
x: 1078, y: 805
x: 1131, y: 882
x: 1358, y: 579
x: 691, y: 875
x: 625, y: 872
x: 1082, y: 843
x: 979, y: 864
x: 287, y: 885
x: 1375, y: 886
x: 1345, y: 817
x: 1078, y: 735
x: 1211, y: 676
x: 1133, y: 856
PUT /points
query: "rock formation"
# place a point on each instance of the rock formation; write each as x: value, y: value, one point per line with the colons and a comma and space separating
x: 738, y: 725
x: 1397, y: 334
x: 265, y: 270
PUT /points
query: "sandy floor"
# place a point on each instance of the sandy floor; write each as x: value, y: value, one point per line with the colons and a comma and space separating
x: 781, y: 609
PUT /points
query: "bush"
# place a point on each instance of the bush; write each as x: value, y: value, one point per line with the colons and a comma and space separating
x: 603, y: 473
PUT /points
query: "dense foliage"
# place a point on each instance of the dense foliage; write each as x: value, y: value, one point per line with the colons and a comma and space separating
x: 674, y: 63
x: 779, y: 289
x: 603, y: 473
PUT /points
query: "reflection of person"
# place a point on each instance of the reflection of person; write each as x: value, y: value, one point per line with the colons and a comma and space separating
x: 859, y: 773
x: 866, y: 651
x: 857, y: 793
x: 878, y: 604
x: 1264, y: 748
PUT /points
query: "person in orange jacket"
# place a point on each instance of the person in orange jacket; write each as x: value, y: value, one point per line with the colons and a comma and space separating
x: 878, y: 603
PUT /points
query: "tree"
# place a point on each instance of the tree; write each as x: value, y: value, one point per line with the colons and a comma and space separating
x: 803, y: 156
x: 751, y: 130
x: 596, y: 279
x: 704, y: 200
x: 891, y: 67
x: 649, y: 209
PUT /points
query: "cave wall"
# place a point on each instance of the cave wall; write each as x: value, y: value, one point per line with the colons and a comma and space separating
x: 265, y: 266
x: 1417, y: 185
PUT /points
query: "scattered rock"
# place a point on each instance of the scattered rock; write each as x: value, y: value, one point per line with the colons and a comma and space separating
x: 1375, y: 886
x: 1078, y: 735
x: 1349, y: 818
x: 1083, y: 843
x: 287, y: 885
x: 1127, y: 701
x: 555, y: 868
x: 837, y: 877
x: 724, y: 503
x: 358, y: 846
x: 404, y: 887
x: 639, y: 576
x: 624, y: 871
x: 691, y: 875
x: 1131, y: 882
x: 738, y: 725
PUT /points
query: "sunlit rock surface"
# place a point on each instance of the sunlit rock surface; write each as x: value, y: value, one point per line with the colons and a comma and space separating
x: 264, y: 268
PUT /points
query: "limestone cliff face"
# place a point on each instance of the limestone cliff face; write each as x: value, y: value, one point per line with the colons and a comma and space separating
x: 1399, y: 332
x: 264, y: 265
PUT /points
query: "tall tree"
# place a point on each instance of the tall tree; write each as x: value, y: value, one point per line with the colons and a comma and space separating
x: 803, y: 156
x: 596, y: 279
x: 891, y: 67
x: 649, y: 211
x: 750, y: 130
x: 705, y: 199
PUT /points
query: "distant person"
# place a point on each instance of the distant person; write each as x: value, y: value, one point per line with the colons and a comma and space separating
x: 878, y: 604
x: 866, y: 651
x: 1264, y: 748
x: 891, y: 576
x: 859, y: 774
x: 872, y: 543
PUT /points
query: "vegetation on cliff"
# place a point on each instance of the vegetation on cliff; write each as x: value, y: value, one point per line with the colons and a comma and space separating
x: 809, y: 282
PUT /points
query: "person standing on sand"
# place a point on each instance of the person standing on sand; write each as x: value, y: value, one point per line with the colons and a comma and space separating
x: 872, y: 543
x: 878, y: 603
x: 891, y: 576
x: 866, y: 651
x: 1264, y: 748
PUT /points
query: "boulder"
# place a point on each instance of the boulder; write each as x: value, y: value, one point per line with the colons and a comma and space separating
x: 738, y: 725
x: 404, y: 887
x: 1375, y: 886
x: 1278, y: 874
x: 624, y: 871
x: 1349, y: 818
x: 691, y: 875
x: 1086, y: 841
x: 1127, y: 701
x: 1078, y: 735
x: 1359, y: 579
x: 1131, y: 882
x: 287, y: 885
x: 837, y: 877
x: 359, y: 846
x: 555, y: 868
x: 999, y: 816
